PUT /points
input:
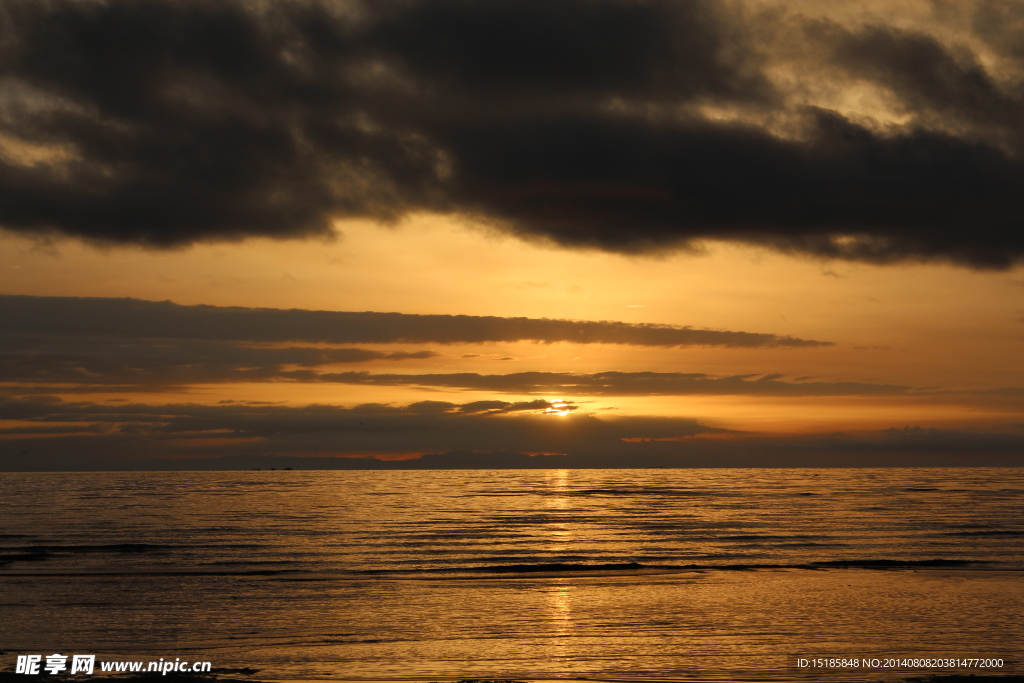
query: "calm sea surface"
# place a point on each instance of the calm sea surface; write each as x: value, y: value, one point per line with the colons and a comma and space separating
x: 447, y: 574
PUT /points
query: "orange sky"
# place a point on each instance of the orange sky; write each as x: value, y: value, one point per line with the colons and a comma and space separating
x: 924, y: 326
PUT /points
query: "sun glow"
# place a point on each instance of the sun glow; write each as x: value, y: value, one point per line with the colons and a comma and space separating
x: 558, y: 408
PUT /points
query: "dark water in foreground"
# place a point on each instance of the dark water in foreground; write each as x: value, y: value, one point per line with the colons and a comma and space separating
x: 443, y: 574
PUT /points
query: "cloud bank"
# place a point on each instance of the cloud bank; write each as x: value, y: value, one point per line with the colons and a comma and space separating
x: 620, y: 125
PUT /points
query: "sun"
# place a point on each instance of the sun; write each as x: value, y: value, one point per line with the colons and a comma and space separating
x: 560, y: 408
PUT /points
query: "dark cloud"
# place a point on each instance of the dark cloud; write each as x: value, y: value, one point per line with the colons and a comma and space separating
x: 495, y: 407
x: 165, y: 122
x: 543, y: 51
x: 136, y: 319
x: 930, y: 79
x: 842, y: 192
x: 195, y: 120
x: 1000, y: 25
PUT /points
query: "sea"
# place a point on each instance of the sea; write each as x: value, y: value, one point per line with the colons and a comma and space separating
x: 632, y: 574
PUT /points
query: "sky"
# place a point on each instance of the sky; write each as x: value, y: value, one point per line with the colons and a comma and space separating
x: 519, y: 233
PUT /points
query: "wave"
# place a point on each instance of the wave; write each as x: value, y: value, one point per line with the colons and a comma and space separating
x: 637, y: 491
x: 531, y: 568
x: 554, y: 567
x: 984, y: 533
x: 765, y: 537
x: 638, y: 567
x: 634, y: 566
x: 41, y: 553
x: 178, y: 572
x: 872, y: 564
x: 22, y: 557
x: 126, y: 548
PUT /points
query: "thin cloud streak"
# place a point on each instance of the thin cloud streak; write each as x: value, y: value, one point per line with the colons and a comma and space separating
x: 621, y: 384
x: 137, y: 319
x: 148, y: 364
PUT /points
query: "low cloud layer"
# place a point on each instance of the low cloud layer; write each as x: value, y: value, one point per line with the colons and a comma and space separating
x: 56, y: 435
x: 620, y: 125
x: 86, y: 432
x: 621, y: 384
x: 137, y: 319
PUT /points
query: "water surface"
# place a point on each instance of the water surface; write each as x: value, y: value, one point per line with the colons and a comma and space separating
x: 456, y: 573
